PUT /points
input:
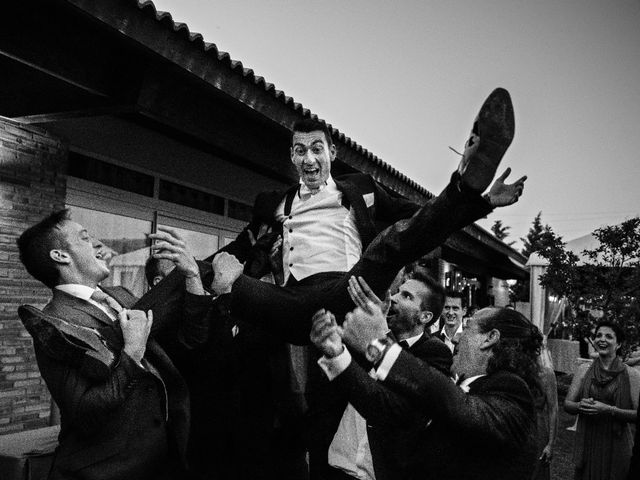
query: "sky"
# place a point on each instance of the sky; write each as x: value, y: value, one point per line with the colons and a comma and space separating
x: 406, y: 78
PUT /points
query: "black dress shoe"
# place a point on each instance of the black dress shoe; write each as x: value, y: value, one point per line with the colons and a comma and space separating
x: 491, y: 135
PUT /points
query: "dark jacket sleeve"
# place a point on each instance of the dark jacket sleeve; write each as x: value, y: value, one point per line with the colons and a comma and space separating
x: 194, y: 328
x: 390, y: 206
x: 381, y: 405
x: 378, y: 404
x: 88, y: 404
x: 502, y: 413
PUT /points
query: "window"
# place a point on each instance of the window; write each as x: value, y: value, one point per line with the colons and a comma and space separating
x: 125, y: 240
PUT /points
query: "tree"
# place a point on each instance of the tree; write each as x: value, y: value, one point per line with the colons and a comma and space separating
x: 606, y: 284
x: 501, y: 231
x: 538, y: 238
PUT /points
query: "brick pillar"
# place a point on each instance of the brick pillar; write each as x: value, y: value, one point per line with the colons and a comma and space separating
x: 32, y: 185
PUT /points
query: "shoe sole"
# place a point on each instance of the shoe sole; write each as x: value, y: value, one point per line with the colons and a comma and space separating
x: 495, y: 127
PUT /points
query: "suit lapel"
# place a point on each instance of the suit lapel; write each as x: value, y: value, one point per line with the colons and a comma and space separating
x: 352, y: 197
x: 84, y: 306
x: 288, y: 199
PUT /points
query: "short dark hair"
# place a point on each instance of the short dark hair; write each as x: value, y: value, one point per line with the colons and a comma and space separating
x: 153, y: 268
x: 37, y: 241
x: 620, y: 337
x: 434, y: 301
x: 456, y: 294
x: 519, y: 345
x: 309, y: 125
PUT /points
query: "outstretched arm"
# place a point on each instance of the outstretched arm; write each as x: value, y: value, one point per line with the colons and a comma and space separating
x: 502, y: 194
x: 193, y: 326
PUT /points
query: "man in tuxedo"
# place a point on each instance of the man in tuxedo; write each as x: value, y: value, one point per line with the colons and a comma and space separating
x: 331, y: 226
x: 452, y: 314
x: 130, y: 418
x: 395, y: 436
x: 483, y: 428
x: 235, y: 388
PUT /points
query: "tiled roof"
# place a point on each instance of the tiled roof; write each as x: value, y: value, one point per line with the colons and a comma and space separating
x: 197, y: 40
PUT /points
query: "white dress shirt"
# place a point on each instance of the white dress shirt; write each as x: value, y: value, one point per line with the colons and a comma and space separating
x: 319, y: 234
x: 449, y: 341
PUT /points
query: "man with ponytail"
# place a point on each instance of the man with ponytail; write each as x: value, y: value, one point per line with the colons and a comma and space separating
x: 484, y: 427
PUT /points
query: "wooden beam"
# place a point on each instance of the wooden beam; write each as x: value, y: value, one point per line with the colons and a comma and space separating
x: 92, y: 112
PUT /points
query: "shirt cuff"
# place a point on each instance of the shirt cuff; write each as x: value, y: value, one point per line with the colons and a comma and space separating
x: 333, y: 367
x: 387, y: 362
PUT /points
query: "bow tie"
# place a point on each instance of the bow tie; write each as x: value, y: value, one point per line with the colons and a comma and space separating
x: 305, y: 192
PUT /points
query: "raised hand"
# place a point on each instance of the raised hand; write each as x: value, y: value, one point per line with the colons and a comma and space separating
x: 135, y: 325
x: 171, y: 246
x: 226, y: 270
x: 363, y: 325
x: 363, y: 296
x: 502, y: 194
x: 326, y: 335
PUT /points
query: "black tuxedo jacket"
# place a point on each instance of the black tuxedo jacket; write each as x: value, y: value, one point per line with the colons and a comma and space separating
x: 488, y: 433
x: 132, y: 424
x: 398, y: 433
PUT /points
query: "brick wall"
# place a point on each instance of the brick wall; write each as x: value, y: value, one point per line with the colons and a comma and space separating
x: 32, y: 184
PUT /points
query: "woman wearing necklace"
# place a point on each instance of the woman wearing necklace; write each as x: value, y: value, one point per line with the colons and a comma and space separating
x: 605, y: 395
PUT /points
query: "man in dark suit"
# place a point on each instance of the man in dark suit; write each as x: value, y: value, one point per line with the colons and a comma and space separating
x: 233, y: 381
x: 129, y: 419
x: 396, y: 434
x: 482, y: 429
x: 330, y: 227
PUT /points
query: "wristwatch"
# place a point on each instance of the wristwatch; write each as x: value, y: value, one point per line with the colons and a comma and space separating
x: 377, y: 349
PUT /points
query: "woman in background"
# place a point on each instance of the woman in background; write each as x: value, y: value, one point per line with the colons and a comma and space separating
x: 604, y: 394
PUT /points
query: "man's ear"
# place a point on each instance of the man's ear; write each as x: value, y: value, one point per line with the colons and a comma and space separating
x: 156, y: 280
x: 291, y: 154
x: 425, y: 317
x: 493, y: 337
x: 332, y: 152
x: 60, y: 256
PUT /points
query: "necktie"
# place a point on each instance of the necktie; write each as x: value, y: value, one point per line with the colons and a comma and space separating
x: 404, y: 344
x: 107, y: 301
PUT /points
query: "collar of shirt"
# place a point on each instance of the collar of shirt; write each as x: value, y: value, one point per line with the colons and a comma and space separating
x: 466, y: 383
x: 84, y: 293
x: 304, y: 192
x: 411, y: 340
x: 459, y: 330
x: 80, y: 291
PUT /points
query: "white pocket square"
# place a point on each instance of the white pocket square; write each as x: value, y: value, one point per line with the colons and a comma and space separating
x: 368, y: 199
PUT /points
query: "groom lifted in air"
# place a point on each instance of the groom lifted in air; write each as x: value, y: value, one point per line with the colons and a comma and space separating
x: 333, y: 229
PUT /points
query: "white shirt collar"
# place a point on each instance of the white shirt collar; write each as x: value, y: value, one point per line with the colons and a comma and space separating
x: 458, y: 330
x: 80, y: 291
x: 466, y: 383
x: 304, y: 190
x: 411, y: 340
